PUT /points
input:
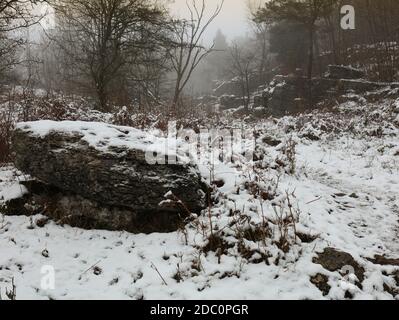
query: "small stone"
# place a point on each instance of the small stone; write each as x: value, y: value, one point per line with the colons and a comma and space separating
x: 45, y: 253
x: 334, y: 260
x: 321, y: 282
x: 97, y: 270
x: 306, y: 238
x: 340, y: 194
x: 218, y: 183
x: 42, y: 222
x: 271, y: 141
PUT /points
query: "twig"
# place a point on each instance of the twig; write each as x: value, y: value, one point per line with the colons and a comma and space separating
x: 12, y: 294
x: 319, y: 198
x: 156, y: 269
x: 91, y: 267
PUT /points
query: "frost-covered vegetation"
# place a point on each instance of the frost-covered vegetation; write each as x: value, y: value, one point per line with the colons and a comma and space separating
x: 318, y: 180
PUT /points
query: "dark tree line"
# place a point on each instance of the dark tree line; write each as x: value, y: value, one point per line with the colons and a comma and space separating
x: 313, y: 28
x: 125, y: 52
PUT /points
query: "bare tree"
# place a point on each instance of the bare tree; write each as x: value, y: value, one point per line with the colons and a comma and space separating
x: 101, y: 37
x: 242, y: 65
x: 14, y: 16
x: 187, y: 50
x: 261, y: 31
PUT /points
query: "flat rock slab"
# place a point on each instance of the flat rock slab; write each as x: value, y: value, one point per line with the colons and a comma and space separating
x: 104, y: 173
x: 384, y: 261
x: 335, y: 260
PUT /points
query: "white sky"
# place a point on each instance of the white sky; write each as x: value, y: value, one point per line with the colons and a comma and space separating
x: 232, y: 19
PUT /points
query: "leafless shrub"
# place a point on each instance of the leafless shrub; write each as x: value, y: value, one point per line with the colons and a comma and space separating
x: 286, y: 219
x: 216, y: 243
x: 288, y: 151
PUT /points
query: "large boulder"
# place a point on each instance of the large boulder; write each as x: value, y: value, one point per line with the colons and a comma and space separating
x: 106, y: 174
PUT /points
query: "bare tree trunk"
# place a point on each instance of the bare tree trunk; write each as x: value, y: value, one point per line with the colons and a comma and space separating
x: 310, y: 63
x: 310, y: 52
x: 248, y: 91
x: 102, y: 98
x: 176, y: 96
x: 187, y: 51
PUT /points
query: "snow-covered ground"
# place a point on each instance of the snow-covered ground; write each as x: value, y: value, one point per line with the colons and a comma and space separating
x: 340, y: 187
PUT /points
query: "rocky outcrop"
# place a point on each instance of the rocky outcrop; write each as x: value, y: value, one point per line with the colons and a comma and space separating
x: 230, y: 102
x: 344, y: 72
x: 291, y: 94
x: 101, y: 173
x: 232, y: 87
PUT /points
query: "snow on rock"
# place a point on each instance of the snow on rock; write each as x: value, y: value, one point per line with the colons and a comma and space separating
x: 13, y: 191
x: 103, y: 136
x: 98, y: 175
